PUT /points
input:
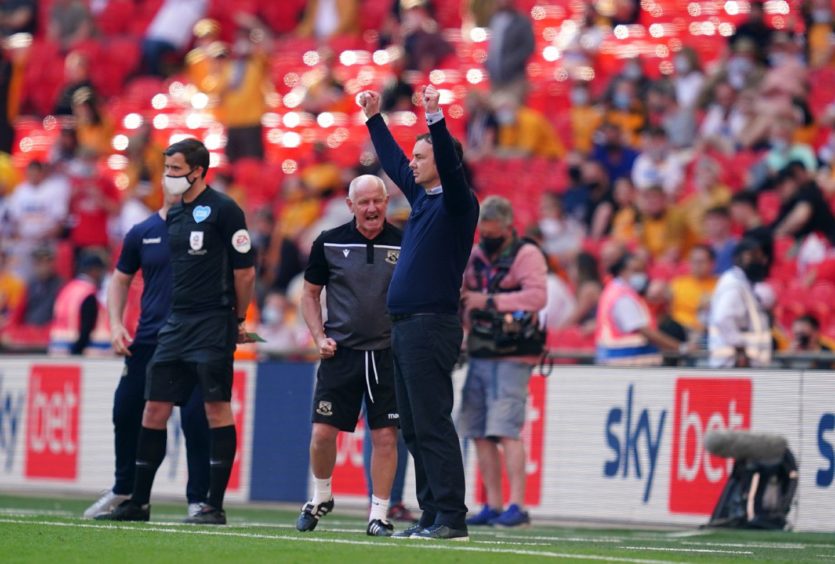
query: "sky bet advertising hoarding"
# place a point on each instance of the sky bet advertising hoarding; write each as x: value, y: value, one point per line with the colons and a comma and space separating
x: 602, y: 444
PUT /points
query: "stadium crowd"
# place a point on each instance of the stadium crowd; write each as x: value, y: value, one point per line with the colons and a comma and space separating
x: 667, y: 129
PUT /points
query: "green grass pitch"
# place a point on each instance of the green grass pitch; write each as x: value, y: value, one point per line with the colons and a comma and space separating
x: 41, y: 529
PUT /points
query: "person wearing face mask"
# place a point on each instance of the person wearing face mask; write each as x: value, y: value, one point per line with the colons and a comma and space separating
x: 213, y: 275
x: 626, y: 333
x: 739, y: 333
x: 585, y: 117
x: 523, y: 131
x: 504, y: 288
x: 355, y: 262
x: 806, y: 339
x: 145, y: 248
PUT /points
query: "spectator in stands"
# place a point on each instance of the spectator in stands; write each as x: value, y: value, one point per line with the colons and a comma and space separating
x: 12, y: 290
x: 93, y: 201
x: 584, y: 274
x: 626, y: 333
x: 523, y: 131
x: 18, y: 16
x: 662, y: 229
x: 299, y: 209
x: 657, y: 165
x: 397, y: 93
x: 325, y: 90
x: 818, y: 19
x: 145, y: 164
x: 663, y: 111
x: 723, y: 120
x: 613, y: 153
x: 601, y: 205
x: 70, y: 23
x: 42, y: 288
x: 282, y: 261
x: 625, y: 108
x: 324, y: 19
x: 282, y: 328
x: 562, y: 235
x: 575, y: 197
x: 739, y: 334
x: 586, y: 117
x: 691, y: 293
x: 709, y: 193
x: 93, y: 128
x: 423, y: 44
x: 322, y: 175
x: 806, y: 339
x: 241, y: 83
x: 170, y: 32
x: 77, y: 77
x: 803, y: 208
x: 688, y: 78
x: 659, y: 300
x: 64, y: 150
x: 511, y: 45
x: 754, y: 29
x: 36, y: 212
x: 482, y: 126
x: 717, y: 234
x: 747, y: 218
x: 79, y: 322
x: 625, y: 219
x: 198, y: 61
x: 784, y: 150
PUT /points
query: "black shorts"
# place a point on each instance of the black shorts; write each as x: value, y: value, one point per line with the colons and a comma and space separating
x: 347, y: 377
x: 193, y: 349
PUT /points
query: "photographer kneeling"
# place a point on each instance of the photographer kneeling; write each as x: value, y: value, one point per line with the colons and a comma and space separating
x: 504, y: 288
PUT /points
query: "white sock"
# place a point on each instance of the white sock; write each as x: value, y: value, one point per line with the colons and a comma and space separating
x: 321, y: 491
x: 379, y: 509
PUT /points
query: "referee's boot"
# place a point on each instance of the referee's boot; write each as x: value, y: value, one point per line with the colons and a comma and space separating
x: 127, y: 511
x: 379, y: 528
x: 207, y: 515
x: 311, y: 514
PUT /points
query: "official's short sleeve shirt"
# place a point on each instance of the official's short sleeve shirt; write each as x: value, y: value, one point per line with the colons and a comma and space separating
x: 209, y: 240
x: 357, y: 272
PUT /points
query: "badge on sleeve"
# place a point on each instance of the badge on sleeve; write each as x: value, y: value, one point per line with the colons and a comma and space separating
x: 196, y: 240
x: 241, y: 241
x: 201, y: 213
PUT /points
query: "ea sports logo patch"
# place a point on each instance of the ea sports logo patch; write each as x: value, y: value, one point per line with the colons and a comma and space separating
x: 241, y: 241
x: 325, y: 408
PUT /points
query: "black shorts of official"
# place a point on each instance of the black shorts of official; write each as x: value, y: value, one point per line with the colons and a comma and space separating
x: 193, y: 349
x: 345, y: 379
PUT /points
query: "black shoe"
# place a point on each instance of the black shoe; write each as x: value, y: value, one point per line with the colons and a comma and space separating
x: 407, y: 533
x: 127, y: 511
x: 207, y: 515
x: 379, y: 528
x: 442, y: 532
x: 311, y: 514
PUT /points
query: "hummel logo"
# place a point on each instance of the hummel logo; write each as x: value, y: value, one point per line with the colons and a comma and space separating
x: 154, y: 241
x: 345, y: 252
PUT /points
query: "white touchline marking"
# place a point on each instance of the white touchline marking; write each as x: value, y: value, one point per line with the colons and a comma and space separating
x: 555, y: 538
x: 399, y: 544
x: 699, y: 550
x: 778, y: 545
x: 15, y: 512
x: 685, y: 534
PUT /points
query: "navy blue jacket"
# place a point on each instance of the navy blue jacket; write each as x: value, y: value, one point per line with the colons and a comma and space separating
x: 438, y: 236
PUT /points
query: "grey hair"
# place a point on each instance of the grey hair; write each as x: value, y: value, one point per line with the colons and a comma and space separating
x: 497, y: 208
x: 352, y: 187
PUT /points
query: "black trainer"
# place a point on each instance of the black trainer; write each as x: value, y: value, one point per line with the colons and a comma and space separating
x: 311, y: 514
x: 379, y: 528
x: 442, y: 532
x: 127, y: 511
x: 207, y: 515
x: 407, y: 533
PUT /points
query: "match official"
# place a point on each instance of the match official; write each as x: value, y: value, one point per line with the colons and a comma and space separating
x: 214, y: 276
x: 423, y: 302
x: 146, y: 248
x: 355, y: 261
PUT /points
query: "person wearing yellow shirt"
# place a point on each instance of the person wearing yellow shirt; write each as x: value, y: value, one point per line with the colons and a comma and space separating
x: 661, y: 228
x: 691, y: 292
x: 524, y: 132
x: 710, y: 193
x: 585, y: 118
x: 12, y: 291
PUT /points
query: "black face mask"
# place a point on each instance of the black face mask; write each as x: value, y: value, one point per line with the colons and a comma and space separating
x: 575, y: 174
x: 804, y: 340
x: 491, y: 244
x: 756, y: 271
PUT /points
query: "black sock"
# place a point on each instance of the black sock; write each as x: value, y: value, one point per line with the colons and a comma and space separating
x: 224, y: 442
x: 149, y: 454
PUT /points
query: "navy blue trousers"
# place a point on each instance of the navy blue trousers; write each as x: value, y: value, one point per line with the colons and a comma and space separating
x: 425, y: 350
x: 128, y: 404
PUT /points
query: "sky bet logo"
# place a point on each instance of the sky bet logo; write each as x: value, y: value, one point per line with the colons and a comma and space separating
x: 825, y: 474
x: 635, y: 439
x: 704, y: 405
x: 52, y: 429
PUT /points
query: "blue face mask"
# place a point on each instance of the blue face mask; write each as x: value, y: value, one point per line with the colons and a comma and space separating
x: 622, y: 100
